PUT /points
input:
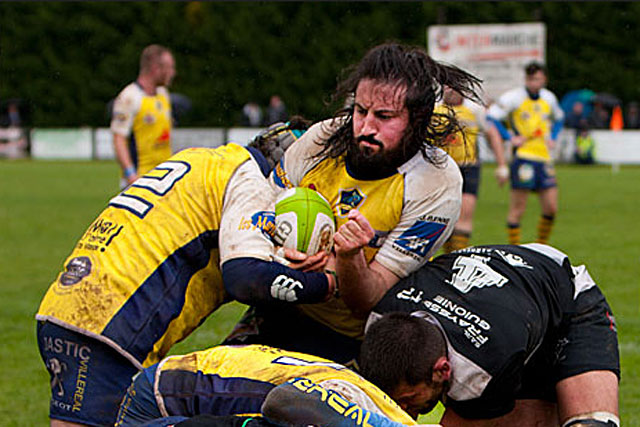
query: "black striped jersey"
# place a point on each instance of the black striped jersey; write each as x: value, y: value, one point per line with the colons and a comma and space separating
x: 495, y: 305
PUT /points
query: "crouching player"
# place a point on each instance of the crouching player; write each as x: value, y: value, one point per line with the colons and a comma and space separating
x: 503, y: 336
x: 289, y: 388
x: 147, y: 272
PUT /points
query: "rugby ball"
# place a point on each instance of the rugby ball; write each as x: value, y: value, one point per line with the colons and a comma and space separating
x: 304, y: 221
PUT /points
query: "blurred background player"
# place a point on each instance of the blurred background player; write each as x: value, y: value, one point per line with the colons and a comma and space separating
x: 162, y: 256
x: 502, y: 335
x: 230, y: 380
x: 141, y: 118
x: 534, y: 118
x: 585, y: 145
x: 463, y: 148
x: 377, y: 160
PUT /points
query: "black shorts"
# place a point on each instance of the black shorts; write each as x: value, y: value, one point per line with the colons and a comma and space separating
x: 470, y: 179
x: 587, y: 340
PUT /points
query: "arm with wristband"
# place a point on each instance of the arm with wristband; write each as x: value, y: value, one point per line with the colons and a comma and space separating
x: 254, y: 281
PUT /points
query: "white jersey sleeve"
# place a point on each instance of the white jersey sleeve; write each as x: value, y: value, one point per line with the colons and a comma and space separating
x: 248, y: 199
x: 479, y: 112
x: 556, y: 111
x: 506, y: 103
x: 125, y: 108
x: 432, y: 200
x: 300, y: 156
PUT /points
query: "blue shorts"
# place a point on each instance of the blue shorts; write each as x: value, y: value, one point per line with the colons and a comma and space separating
x: 139, y: 404
x: 470, y: 179
x: 88, y: 378
x: 532, y: 175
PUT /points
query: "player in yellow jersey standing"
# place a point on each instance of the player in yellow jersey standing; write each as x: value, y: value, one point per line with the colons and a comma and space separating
x: 141, y: 119
x: 163, y: 255
x: 463, y: 147
x: 395, y: 194
x: 534, y: 119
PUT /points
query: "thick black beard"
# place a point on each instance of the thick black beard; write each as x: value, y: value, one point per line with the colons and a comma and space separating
x: 368, y: 164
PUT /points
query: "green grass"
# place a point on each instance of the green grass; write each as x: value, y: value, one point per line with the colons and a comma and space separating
x: 46, y: 206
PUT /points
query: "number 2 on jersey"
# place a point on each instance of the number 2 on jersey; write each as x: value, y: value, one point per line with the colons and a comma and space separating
x: 156, y: 185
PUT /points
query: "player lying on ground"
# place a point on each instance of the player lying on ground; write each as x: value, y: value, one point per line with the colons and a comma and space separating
x: 289, y: 388
x: 150, y: 269
x: 503, y: 336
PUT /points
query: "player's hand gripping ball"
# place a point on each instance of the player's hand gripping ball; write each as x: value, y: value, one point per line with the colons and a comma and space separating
x: 304, y: 221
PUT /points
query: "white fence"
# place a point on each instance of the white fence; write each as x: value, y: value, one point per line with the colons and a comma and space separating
x: 612, y: 147
x: 87, y: 143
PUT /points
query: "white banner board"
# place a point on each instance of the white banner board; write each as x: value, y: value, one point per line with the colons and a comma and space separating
x: 496, y: 53
x: 181, y: 138
x: 62, y: 143
x: 242, y: 136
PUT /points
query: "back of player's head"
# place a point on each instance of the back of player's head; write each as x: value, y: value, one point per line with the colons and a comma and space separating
x: 273, y: 142
x: 150, y: 55
x: 533, y: 67
x: 400, y: 347
x: 412, y: 70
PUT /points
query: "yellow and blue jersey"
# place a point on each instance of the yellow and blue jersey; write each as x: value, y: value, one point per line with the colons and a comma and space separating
x: 462, y: 146
x: 145, y: 120
x: 536, y: 120
x: 236, y: 379
x: 412, y: 211
x: 146, y: 272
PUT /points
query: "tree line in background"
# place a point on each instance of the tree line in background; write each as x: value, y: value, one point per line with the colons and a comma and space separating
x: 66, y: 61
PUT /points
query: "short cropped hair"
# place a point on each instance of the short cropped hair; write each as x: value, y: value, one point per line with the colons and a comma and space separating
x: 533, y: 67
x: 150, y: 55
x: 400, y: 347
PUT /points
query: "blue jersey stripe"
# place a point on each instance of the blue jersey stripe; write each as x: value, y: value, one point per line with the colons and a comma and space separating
x: 145, y: 317
x: 133, y: 150
x: 192, y: 393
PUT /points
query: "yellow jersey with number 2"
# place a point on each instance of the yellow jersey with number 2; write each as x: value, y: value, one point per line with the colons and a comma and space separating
x: 146, y: 272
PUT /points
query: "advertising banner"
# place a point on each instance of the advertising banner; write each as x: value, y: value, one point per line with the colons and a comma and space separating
x: 496, y: 53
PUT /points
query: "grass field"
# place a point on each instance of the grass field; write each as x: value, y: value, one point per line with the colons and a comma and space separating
x: 46, y: 206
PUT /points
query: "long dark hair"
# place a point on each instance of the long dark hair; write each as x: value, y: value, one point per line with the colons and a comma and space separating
x: 424, y: 78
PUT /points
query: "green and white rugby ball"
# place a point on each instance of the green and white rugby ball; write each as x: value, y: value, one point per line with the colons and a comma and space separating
x: 304, y: 221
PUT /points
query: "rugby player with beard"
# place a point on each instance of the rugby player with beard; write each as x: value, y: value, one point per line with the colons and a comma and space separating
x: 395, y: 193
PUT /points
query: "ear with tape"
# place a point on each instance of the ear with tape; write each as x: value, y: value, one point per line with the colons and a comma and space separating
x: 274, y: 141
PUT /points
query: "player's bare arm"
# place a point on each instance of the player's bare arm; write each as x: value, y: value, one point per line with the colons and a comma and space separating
x: 497, y: 146
x: 362, y: 285
x: 124, y: 158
